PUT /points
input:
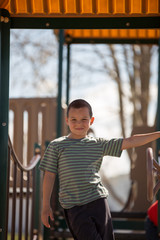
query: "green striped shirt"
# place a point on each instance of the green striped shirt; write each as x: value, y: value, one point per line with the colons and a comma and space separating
x: 77, y: 162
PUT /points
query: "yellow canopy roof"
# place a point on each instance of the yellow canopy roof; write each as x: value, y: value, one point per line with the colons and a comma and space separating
x: 90, y: 9
x: 82, y: 8
x: 73, y: 35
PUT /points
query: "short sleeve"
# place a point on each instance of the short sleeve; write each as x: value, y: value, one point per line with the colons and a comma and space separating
x: 113, y: 147
x: 49, y: 161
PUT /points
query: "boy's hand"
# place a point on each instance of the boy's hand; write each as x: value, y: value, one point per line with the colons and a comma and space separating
x: 45, y: 215
x: 48, y: 183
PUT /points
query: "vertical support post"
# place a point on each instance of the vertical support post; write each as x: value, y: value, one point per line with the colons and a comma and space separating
x: 36, y: 224
x: 54, y: 198
x: 60, y: 72
x: 59, y: 105
x: 68, y: 75
x: 158, y: 128
x: 4, y: 107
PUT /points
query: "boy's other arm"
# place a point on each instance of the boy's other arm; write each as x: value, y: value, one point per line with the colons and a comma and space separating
x: 48, y: 182
x: 139, y: 140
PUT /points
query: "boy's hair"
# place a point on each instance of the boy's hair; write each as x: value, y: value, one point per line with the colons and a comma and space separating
x: 79, y: 103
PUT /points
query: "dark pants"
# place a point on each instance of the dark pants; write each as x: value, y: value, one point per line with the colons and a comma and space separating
x: 91, y: 221
x: 151, y: 230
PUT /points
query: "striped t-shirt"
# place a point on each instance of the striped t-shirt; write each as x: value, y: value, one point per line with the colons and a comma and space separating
x: 77, y: 162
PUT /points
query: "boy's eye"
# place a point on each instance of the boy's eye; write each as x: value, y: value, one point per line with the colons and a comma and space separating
x: 84, y: 119
x: 73, y: 120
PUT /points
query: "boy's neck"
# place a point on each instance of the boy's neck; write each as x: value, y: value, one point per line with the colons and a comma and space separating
x: 73, y: 136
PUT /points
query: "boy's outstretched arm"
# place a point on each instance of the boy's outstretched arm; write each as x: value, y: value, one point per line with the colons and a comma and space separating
x: 139, y: 140
x: 48, y: 182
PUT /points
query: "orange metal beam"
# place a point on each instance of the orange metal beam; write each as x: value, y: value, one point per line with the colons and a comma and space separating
x: 82, y: 8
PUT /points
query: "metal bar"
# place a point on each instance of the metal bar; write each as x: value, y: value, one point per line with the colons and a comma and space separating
x: 14, y: 202
x: 86, y: 22
x: 8, y: 178
x: 68, y: 74
x: 158, y: 128
x: 46, y: 232
x: 60, y: 70
x: 4, y: 106
x: 27, y: 206
x: 37, y: 201
x: 33, y: 204
x: 59, y: 109
x: 111, y: 40
x: 20, y: 206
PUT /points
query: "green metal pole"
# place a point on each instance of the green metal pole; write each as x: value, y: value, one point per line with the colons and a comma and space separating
x: 37, y: 150
x: 4, y: 107
x: 68, y: 74
x: 59, y: 108
x: 59, y: 98
x: 158, y: 128
x: 47, y: 232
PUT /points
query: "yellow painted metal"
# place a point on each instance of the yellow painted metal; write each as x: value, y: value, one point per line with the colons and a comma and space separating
x: 82, y: 8
x: 113, y: 33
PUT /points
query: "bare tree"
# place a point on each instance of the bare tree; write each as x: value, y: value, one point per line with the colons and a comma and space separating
x: 33, y: 61
x: 137, y: 63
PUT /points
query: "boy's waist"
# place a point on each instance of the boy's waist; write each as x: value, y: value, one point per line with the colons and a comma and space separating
x: 70, y: 199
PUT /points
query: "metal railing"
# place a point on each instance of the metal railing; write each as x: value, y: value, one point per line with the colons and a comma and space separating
x: 23, y: 200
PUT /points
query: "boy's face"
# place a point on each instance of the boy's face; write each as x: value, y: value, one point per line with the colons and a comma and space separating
x: 79, y: 122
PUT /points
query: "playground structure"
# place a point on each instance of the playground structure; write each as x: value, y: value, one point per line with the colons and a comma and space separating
x: 153, y: 175
x: 41, y: 123
x: 134, y: 22
x: 24, y: 183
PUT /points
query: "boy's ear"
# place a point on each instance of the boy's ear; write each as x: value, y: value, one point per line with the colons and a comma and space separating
x: 92, y: 120
x: 67, y: 120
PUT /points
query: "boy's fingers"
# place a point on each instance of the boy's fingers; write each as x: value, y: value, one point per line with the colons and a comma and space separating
x: 46, y: 217
x: 51, y: 216
x: 45, y: 221
x: 47, y: 225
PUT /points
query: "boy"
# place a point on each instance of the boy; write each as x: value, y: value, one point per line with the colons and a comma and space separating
x: 77, y: 159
